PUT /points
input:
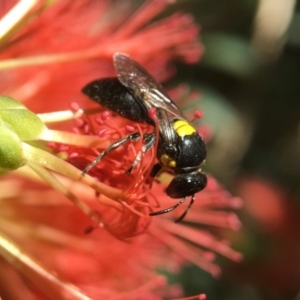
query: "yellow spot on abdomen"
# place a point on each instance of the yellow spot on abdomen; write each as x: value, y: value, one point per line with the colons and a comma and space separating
x: 183, y: 128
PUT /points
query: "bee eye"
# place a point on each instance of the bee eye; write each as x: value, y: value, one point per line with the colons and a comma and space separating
x: 187, y: 184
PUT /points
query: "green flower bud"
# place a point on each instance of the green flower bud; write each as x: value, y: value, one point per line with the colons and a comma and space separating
x: 22, y: 121
x: 11, y: 152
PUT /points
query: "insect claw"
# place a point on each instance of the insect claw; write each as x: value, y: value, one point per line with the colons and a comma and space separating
x: 128, y: 172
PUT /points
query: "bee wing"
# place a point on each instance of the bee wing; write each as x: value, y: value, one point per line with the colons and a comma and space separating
x: 143, y: 86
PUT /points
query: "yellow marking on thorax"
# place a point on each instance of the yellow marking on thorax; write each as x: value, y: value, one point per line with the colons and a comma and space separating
x: 183, y: 128
x: 168, y: 161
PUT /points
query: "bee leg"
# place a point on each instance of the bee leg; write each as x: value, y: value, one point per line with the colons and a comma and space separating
x: 166, y: 210
x: 131, y: 137
x: 155, y: 170
x: 149, y: 140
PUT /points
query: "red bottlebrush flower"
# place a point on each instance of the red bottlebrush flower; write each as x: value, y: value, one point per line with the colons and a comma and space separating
x: 48, y: 52
x: 78, y: 47
x: 142, y: 195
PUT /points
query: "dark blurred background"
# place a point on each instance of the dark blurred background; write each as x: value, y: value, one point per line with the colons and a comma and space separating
x: 249, y: 80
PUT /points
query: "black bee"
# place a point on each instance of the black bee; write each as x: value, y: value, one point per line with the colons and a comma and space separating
x: 180, y: 148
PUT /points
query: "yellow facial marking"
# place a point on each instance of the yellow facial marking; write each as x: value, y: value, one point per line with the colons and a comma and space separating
x: 183, y: 128
x: 167, y: 161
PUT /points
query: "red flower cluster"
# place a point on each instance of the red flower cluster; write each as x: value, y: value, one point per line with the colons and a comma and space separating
x: 48, y: 52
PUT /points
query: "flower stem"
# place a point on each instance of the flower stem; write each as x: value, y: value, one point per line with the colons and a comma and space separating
x: 14, y: 18
x: 39, y: 157
x: 63, y: 137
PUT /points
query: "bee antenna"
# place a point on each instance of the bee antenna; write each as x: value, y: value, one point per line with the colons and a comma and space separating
x: 164, y: 211
x: 186, y: 211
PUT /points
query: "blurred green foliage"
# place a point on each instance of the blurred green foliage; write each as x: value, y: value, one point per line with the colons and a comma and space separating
x: 252, y: 103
